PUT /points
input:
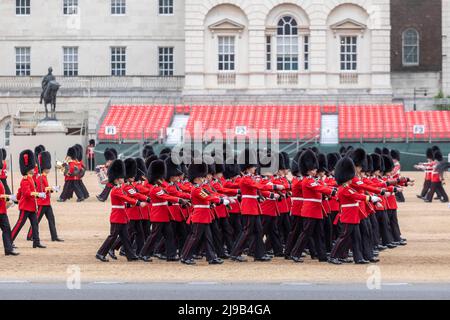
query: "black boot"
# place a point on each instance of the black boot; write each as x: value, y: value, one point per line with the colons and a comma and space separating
x: 102, y: 197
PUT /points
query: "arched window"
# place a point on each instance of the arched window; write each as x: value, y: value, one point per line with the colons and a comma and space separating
x: 410, y: 39
x: 287, y: 44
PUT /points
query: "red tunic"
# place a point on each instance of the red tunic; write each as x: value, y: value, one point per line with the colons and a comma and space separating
x: 312, y: 198
x: 350, y: 201
x: 27, y: 202
x: 4, y: 170
x: 297, y: 196
x: 41, y: 184
x: 134, y: 213
x: 176, y: 212
x: 249, y: 189
x: 2, y: 201
x: 201, y: 201
x: 160, y: 204
x: 119, y: 202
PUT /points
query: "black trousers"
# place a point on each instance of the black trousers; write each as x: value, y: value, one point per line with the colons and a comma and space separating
x: 180, y: 233
x: 105, y: 193
x: 400, y: 197
x: 436, y: 187
x: 69, y: 188
x: 426, y: 188
x: 217, y: 238
x: 235, y: 222
x: 46, y: 211
x: 91, y: 163
x: 311, y: 228
x: 6, y: 233
x: 384, y: 227
x: 252, y: 231
x: 159, y: 230
x: 5, y: 185
x: 135, y: 235
x: 200, y: 239
x: 366, y: 237
x: 349, y: 238
x: 227, y: 233
x: 328, y: 233
x: 297, y: 228
x: 284, y: 226
x: 270, y: 230
x: 146, y: 226
x: 334, y: 227
x: 23, y: 216
x: 375, y: 230
x: 121, y: 231
x: 81, y: 186
x: 394, y: 226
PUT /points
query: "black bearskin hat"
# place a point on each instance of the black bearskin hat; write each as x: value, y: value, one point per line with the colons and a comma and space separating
x: 438, y: 156
x: 26, y: 162
x: 307, y: 162
x: 172, y: 169
x: 435, y: 148
x: 287, y: 163
x: 378, y: 151
x: 332, y: 159
x: 40, y: 148
x: 92, y: 142
x: 164, y: 156
x: 267, y: 160
x: 359, y: 157
x: 315, y: 150
x: 343, y: 151
x: 149, y: 160
x: 377, y: 162
x: 430, y: 154
x: 109, y: 155
x: 157, y: 171
x: 323, y: 163
x: 369, y: 166
x: 141, y: 169
x: 79, y: 150
x: 72, y: 153
x: 386, y: 151
x: 219, y: 168
x: 388, y: 163
x: 130, y: 168
x: 4, y: 153
x: 165, y: 151
x: 345, y: 170
x: 248, y: 159
x: 116, y: 171
x: 113, y: 150
x: 395, y: 154
x: 45, y: 161
x: 147, y: 151
x: 197, y: 171
x: 231, y: 170
x: 295, y: 168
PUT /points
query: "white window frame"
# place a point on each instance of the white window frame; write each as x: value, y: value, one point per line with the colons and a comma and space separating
x: 404, y: 45
x: 118, y: 7
x: 70, y: 61
x: 23, y: 7
x: 118, y: 67
x: 166, y: 61
x: 70, y: 7
x: 288, y: 48
x: 23, y: 61
x: 226, y: 53
x: 348, y: 54
x: 306, y: 51
x: 166, y: 7
x: 269, y: 47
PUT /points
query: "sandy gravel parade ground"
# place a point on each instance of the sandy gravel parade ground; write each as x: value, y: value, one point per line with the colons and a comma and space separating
x: 85, y: 225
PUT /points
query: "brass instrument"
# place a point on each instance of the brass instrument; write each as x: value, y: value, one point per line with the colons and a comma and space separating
x: 102, y: 174
x: 63, y: 167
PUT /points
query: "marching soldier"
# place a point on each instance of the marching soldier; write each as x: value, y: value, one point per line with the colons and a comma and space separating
x: 42, y: 186
x: 71, y: 171
x: 118, y: 218
x: 27, y: 196
x: 437, y: 179
x: 81, y: 172
x: 110, y: 155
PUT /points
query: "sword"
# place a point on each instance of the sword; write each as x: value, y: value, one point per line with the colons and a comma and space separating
x: 12, y: 173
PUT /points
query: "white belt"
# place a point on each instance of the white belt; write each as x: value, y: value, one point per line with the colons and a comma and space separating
x: 234, y: 198
x: 350, y: 205
x: 297, y: 199
x: 249, y: 197
x: 160, y: 204
x: 202, y: 206
x: 118, y: 207
x: 313, y: 200
x: 175, y: 204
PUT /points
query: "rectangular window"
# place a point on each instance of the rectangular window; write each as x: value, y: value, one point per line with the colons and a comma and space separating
x: 287, y: 53
x: 70, y: 7
x: 349, y: 53
x: 226, y: 53
x: 306, y: 52
x: 70, y: 62
x: 118, y: 61
x: 165, y: 61
x: 268, y: 53
x: 118, y: 7
x: 23, y: 61
x: 23, y: 7
x: 166, y: 7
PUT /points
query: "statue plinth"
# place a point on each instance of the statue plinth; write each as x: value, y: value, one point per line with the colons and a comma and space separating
x: 50, y: 126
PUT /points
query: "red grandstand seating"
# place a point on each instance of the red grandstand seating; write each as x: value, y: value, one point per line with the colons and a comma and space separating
x: 437, y: 125
x: 292, y: 122
x: 371, y: 122
x: 136, y: 122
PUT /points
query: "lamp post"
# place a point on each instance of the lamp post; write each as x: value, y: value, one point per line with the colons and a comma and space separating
x: 417, y: 91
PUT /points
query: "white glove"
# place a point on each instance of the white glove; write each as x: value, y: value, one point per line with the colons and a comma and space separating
x: 13, y: 198
x: 276, y: 196
x: 226, y: 202
x: 42, y: 195
x: 56, y: 188
x: 375, y: 199
x: 280, y: 187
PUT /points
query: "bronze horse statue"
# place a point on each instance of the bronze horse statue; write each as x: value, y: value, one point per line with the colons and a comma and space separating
x: 49, y: 97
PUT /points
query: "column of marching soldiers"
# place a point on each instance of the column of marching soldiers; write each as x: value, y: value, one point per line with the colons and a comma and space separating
x: 337, y: 208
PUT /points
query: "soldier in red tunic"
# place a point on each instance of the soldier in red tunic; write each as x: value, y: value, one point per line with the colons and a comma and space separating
x: 4, y: 171
x: 110, y: 155
x: 71, y: 172
x: 118, y: 218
